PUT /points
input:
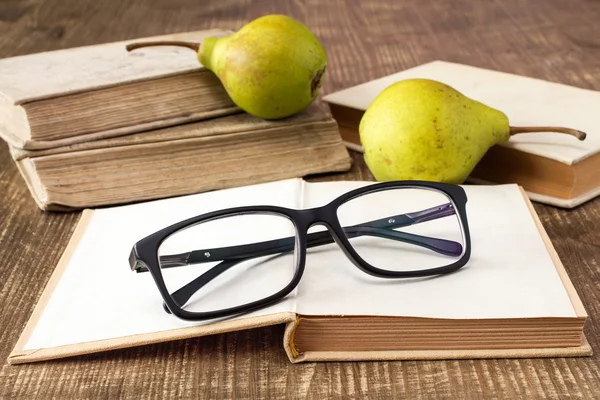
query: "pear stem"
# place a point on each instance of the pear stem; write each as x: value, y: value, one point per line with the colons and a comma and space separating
x: 528, y: 129
x: 189, y: 45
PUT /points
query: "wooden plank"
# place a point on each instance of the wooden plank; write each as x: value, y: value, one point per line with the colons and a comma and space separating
x: 364, y: 40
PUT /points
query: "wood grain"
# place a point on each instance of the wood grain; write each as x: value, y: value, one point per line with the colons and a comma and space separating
x: 364, y: 40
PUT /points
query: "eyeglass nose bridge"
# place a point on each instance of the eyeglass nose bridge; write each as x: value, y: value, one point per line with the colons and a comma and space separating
x: 335, y: 233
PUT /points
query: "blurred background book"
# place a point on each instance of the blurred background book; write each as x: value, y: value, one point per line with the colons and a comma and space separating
x: 552, y: 168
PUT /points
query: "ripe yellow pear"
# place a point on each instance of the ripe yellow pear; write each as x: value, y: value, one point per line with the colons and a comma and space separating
x: 272, y: 68
x: 421, y: 129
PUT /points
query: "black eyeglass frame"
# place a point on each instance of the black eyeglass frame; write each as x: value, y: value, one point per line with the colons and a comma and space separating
x: 144, y: 255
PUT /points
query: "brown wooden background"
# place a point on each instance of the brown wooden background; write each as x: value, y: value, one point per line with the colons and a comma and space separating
x: 550, y: 39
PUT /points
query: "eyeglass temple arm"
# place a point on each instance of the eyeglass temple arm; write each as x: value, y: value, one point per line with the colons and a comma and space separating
x: 373, y: 228
x: 380, y: 228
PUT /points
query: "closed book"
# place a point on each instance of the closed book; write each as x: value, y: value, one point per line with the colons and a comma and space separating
x: 217, y: 153
x: 553, y: 168
x: 512, y: 299
x: 81, y: 94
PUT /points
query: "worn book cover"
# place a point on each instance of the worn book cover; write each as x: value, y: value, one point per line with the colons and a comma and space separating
x: 81, y: 94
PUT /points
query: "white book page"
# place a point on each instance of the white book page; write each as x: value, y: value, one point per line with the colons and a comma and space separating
x: 510, y: 274
x: 99, y: 297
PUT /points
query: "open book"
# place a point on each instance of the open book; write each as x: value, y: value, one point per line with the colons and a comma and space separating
x: 513, y: 298
x: 552, y: 168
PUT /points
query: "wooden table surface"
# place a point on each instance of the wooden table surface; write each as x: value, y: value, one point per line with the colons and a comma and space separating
x: 550, y: 39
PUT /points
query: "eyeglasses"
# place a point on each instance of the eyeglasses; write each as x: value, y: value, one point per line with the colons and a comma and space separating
x: 241, y: 259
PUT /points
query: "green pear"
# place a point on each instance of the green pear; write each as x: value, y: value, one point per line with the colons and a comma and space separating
x: 273, y: 67
x: 421, y: 129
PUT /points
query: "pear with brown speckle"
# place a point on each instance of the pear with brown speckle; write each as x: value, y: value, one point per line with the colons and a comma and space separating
x: 272, y: 68
x: 421, y: 129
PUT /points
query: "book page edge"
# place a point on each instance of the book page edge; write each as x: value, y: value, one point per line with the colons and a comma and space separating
x: 569, y: 203
x: 30, y: 148
x: 313, y: 356
x: 560, y: 268
x: 9, y: 135
x: 37, y: 190
x: 211, y: 124
x: 51, y: 285
x: 35, y: 355
x: 288, y: 339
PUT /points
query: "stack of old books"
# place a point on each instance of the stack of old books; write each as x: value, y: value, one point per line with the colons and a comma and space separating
x: 97, y: 125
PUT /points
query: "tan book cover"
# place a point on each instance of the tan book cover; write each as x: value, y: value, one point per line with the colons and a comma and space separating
x: 552, y: 168
x: 87, y: 93
x: 201, y: 156
x: 527, y: 290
